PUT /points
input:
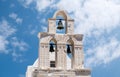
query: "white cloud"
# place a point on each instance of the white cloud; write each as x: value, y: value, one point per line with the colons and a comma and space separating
x: 12, y: 5
x: 104, y: 52
x: 26, y: 3
x: 21, y: 45
x: 17, y: 19
x: 15, y: 56
x: 8, y: 43
x: 13, y: 15
x: 102, y: 15
x: 43, y: 21
x: 5, y: 31
x: 3, y: 43
x: 73, y: 5
x: 43, y: 4
x: 40, y: 4
x: 33, y: 30
x: 43, y: 27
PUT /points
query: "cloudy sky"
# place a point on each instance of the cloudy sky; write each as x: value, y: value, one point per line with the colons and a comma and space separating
x: 98, y: 20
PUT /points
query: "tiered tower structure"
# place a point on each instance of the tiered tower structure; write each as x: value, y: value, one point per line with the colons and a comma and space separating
x: 60, y: 50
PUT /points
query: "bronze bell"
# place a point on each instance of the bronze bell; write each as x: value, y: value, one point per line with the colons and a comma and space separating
x: 60, y: 25
x: 51, y: 48
x: 68, y: 49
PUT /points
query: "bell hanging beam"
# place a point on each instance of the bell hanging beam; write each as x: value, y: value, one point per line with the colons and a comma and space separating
x: 60, y: 24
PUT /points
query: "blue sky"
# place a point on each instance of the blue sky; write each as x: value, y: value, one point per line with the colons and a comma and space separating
x: 98, y: 20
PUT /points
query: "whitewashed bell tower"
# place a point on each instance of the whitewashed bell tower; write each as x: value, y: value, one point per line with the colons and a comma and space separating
x: 60, y: 54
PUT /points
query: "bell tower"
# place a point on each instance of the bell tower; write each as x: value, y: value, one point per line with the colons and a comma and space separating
x: 68, y: 23
x: 60, y: 54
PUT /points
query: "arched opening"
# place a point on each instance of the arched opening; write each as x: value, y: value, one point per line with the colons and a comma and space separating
x: 69, y: 53
x: 61, y: 16
x: 61, y: 19
x: 52, y: 53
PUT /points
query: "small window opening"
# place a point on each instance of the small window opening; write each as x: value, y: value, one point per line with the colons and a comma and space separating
x: 52, y: 63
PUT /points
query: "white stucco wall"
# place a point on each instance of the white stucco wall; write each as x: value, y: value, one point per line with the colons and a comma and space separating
x: 31, y: 68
